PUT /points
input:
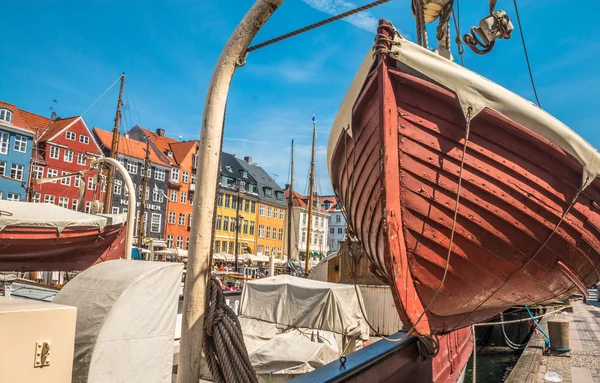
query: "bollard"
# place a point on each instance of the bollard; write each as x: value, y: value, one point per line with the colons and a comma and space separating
x: 568, y: 302
x: 558, y: 331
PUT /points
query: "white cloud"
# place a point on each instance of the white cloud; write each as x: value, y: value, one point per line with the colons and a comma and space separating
x: 364, y: 20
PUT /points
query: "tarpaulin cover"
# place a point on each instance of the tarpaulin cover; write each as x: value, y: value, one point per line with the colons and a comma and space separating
x: 473, y: 91
x: 126, y: 313
x: 293, y: 325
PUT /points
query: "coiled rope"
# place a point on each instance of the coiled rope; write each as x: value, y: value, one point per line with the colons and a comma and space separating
x: 223, y: 345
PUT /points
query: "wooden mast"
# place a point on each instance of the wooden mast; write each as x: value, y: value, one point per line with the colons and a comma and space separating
x: 114, y: 148
x: 141, y: 223
x: 310, y: 195
x: 290, y: 207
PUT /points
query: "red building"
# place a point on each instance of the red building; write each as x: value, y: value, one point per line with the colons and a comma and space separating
x: 64, y: 146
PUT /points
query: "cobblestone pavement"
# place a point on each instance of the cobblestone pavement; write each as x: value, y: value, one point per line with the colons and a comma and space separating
x: 583, y: 363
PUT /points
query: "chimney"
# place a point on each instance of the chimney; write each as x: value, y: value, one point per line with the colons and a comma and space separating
x: 160, y: 132
x: 248, y: 159
x: 287, y: 186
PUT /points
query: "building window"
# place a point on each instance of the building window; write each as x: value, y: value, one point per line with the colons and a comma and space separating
x: 117, y: 189
x: 260, y: 248
x: 181, y: 219
x: 81, y: 159
x: 71, y: 136
x: 155, y: 223
x: 280, y: 235
x: 159, y: 174
x: 234, y: 202
x: 189, y: 220
x: 193, y: 178
x: 115, y: 210
x: 268, y: 251
x: 63, y: 202
x: 38, y: 172
x: 37, y: 198
x: 52, y: 173
x: 173, y: 195
x: 340, y: 230
x: 261, y: 231
x: 269, y: 212
x: 16, y: 172
x: 157, y: 195
x: 183, y: 197
x: 232, y: 226
x: 175, y: 175
x: 54, y: 152
x: 227, y: 200
x: 90, y: 183
x: 303, y: 236
x: 230, y: 247
x: 65, y: 181
x: 132, y: 167
x: 242, y: 185
x: 268, y: 192
x: 185, y: 177
x: 279, y: 196
x: 331, y: 230
x: 251, y: 228
x: 2, y: 168
x: 226, y: 223
x: 252, y: 188
x: 261, y: 210
x: 88, y: 207
x: 220, y: 199
x: 84, y: 139
x: 217, y: 247
x: 187, y: 243
x: 253, y: 207
x: 13, y: 197
x: 218, y: 223
x: 268, y: 232
x: 281, y: 214
x: 245, y: 227
x: 247, y: 206
x: 4, y: 141
x: 172, y: 217
x: 170, y: 241
x: 74, y: 204
x: 338, y: 218
x: 20, y: 144
x: 224, y: 246
x: 180, y: 242
x: 6, y: 115
x: 49, y: 199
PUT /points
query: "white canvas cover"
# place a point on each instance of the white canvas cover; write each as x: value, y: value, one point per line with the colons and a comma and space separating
x: 126, y: 313
x: 476, y: 92
x: 29, y: 214
x: 293, y: 325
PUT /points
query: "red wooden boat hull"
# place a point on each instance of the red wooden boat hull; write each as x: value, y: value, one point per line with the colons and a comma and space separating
x: 43, y: 249
x: 396, y: 172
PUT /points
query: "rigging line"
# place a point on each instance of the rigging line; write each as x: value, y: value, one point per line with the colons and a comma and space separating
x: 134, y: 105
x: 107, y: 89
x: 542, y: 246
x: 104, y: 103
x: 459, y: 42
x: 315, y: 25
x: 526, y: 55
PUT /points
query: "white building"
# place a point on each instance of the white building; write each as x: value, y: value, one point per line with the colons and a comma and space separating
x: 337, y: 222
x: 319, y: 239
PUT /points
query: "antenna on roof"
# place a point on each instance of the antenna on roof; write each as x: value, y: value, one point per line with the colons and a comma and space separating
x: 53, y: 116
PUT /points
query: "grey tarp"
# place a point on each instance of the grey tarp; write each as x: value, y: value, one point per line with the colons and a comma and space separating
x: 126, y: 314
x: 293, y: 325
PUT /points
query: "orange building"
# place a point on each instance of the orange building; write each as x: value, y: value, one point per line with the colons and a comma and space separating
x: 182, y: 157
x: 271, y: 212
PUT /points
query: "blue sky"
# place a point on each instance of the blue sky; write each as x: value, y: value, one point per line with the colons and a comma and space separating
x: 72, y: 51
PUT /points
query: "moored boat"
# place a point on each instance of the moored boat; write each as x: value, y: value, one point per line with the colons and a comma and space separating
x: 46, y: 237
x: 466, y: 198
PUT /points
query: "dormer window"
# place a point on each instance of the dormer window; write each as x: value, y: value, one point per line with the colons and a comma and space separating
x: 6, y: 115
x: 268, y: 192
x: 279, y: 196
x: 229, y: 169
x: 245, y: 174
x: 169, y: 154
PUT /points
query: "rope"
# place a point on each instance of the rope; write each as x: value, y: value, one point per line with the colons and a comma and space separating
x: 419, y: 13
x: 526, y: 55
x: 102, y: 95
x: 443, y: 28
x: 459, y: 43
x: 314, y: 26
x: 547, y: 341
x: 474, y: 380
x: 223, y: 346
x: 510, y: 343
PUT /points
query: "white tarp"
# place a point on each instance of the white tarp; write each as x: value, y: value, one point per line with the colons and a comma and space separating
x: 29, y: 214
x: 293, y: 325
x: 126, y: 313
x: 476, y: 92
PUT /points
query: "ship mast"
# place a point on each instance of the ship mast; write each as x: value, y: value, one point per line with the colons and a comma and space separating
x: 114, y: 148
x: 142, y: 224
x: 290, y: 206
x: 310, y: 195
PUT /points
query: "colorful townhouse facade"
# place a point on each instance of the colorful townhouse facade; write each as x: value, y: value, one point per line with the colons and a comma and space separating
x: 66, y: 146
x: 272, y: 211
x: 16, y: 145
x: 132, y: 153
x: 182, y: 157
x: 337, y: 222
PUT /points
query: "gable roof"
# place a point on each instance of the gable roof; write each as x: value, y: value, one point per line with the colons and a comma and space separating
x: 26, y: 120
x: 56, y: 127
x: 182, y: 149
x: 263, y: 180
x: 302, y: 201
x: 163, y: 143
x: 127, y: 146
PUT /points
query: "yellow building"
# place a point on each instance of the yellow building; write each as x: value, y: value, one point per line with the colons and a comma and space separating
x: 237, y: 197
x: 271, y: 213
